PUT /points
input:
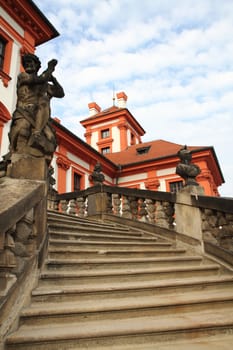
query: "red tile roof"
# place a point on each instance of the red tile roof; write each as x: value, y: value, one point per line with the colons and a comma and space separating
x: 156, y: 149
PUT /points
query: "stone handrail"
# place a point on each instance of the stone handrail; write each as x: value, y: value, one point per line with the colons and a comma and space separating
x: 23, y: 228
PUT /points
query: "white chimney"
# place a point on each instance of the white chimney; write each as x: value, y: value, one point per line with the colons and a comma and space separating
x: 93, y: 108
x: 122, y: 99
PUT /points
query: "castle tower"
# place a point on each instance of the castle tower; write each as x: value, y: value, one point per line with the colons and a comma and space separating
x: 113, y: 129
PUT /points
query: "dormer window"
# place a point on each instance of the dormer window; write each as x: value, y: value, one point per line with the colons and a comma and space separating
x: 105, y: 133
x: 143, y: 150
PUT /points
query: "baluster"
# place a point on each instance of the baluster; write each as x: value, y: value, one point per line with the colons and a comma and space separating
x: 64, y: 205
x: 164, y: 214
x: 81, y: 206
x: 55, y: 205
x: 116, y: 204
x: 169, y: 213
x: 72, y: 207
x: 8, y: 263
x: 142, y: 212
x: 160, y: 216
x: 150, y: 205
x: 126, y: 211
x: 134, y: 207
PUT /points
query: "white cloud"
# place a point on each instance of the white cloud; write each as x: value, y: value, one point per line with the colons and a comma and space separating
x: 174, y: 63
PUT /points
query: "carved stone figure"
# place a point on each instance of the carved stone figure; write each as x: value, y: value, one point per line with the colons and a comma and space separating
x: 31, y: 131
x: 186, y: 169
x: 97, y: 177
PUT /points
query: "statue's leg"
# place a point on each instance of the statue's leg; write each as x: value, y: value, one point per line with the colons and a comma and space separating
x: 19, y: 134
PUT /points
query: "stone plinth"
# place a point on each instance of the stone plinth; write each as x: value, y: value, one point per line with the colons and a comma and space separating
x: 27, y: 167
x: 188, y: 218
x: 97, y: 203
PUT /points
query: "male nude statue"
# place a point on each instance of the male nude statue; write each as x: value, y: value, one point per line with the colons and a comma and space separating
x: 30, y: 123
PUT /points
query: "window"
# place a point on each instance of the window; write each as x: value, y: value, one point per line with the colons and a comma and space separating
x: 132, y: 142
x: 105, y: 133
x: 77, y: 181
x: 6, y: 45
x: 2, y: 51
x: 105, y: 150
x: 176, y: 186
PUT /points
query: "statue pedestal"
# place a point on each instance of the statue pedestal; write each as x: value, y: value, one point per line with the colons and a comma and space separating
x: 27, y: 167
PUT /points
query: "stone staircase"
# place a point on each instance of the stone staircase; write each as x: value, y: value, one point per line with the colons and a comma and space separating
x: 106, y: 286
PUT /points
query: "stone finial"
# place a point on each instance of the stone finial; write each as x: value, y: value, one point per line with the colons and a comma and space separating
x: 97, y: 177
x: 186, y: 169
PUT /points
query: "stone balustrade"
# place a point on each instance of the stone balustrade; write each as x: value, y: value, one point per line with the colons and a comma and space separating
x: 217, y: 224
x: 23, y: 234
x: 208, y: 220
x: 142, y: 205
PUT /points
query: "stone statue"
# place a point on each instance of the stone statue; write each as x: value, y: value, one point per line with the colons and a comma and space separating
x: 31, y: 132
x: 97, y: 177
x: 186, y: 169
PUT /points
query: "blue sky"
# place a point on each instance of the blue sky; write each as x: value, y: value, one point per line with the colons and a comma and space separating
x: 173, y: 59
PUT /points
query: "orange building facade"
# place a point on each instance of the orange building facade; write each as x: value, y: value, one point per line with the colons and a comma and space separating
x: 113, y: 136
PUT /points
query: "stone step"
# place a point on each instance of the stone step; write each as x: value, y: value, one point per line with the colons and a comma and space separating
x: 74, y: 228
x: 80, y: 335
x: 131, y: 289
x: 59, y: 253
x: 64, y: 245
x: 213, y: 342
x: 44, y: 313
x: 109, y: 287
x: 60, y: 278
x: 100, y: 236
x: 121, y: 263
x: 60, y: 218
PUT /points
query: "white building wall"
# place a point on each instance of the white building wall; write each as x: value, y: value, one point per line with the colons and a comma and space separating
x: 132, y: 178
x: 165, y: 172
x: 69, y: 180
x: 108, y: 178
x: 87, y: 182
x: 4, y: 147
x: 78, y: 161
x: 116, y: 145
x: 162, y: 186
x: 107, y: 124
x: 94, y: 140
x: 128, y: 137
x: 142, y: 186
x: 8, y: 94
